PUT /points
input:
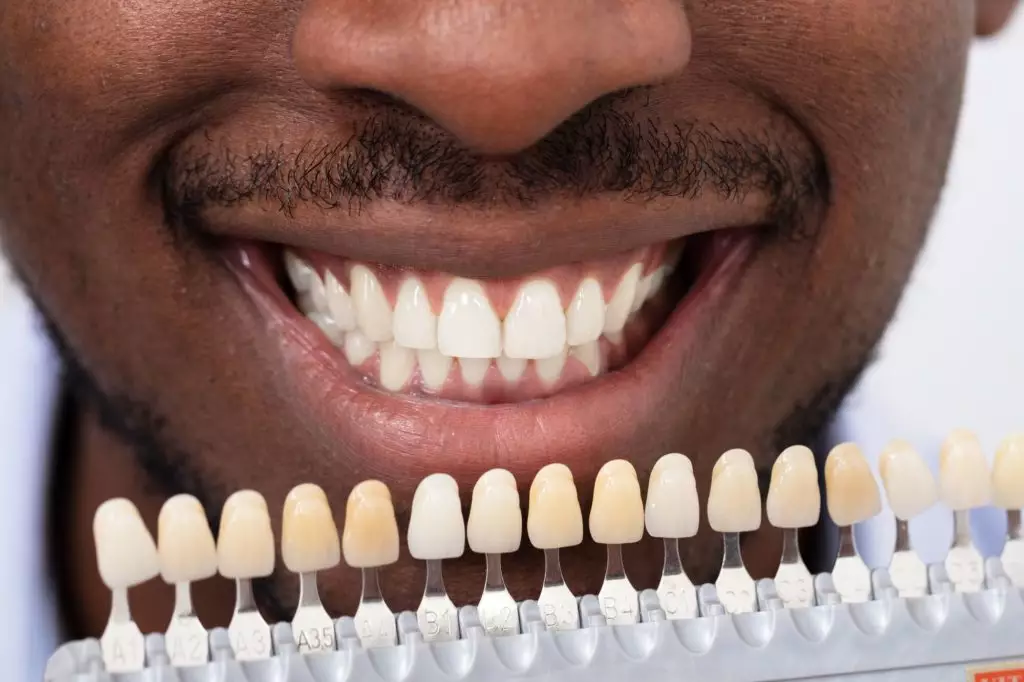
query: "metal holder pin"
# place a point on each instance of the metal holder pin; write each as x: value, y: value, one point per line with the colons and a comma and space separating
x: 375, y: 622
x: 498, y: 611
x: 736, y: 590
x: 186, y: 638
x: 248, y: 631
x: 676, y: 592
x: 1013, y: 551
x: 557, y: 604
x: 851, y: 576
x: 618, y: 598
x: 908, y: 573
x: 437, y: 616
x: 793, y: 581
x: 122, y: 642
x: 964, y: 564
x: 312, y: 627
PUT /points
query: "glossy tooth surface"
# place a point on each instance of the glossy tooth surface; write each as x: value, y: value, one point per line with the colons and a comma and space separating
x: 964, y: 481
x: 657, y: 279
x: 643, y: 288
x: 734, y: 502
x: 309, y: 536
x: 125, y: 552
x: 1008, y: 473
x: 673, y: 507
x: 299, y: 271
x: 554, y: 519
x: 584, y: 321
x: 436, y: 527
x: 339, y: 303
x: 618, y: 308
x: 184, y: 541
x: 396, y: 365
x: 590, y: 355
x: 850, y: 489
x: 245, y: 541
x: 434, y: 367
x: 370, y: 537
x: 511, y: 369
x: 617, y: 510
x: 794, y: 499
x: 468, y: 326
x: 373, y: 313
x: 550, y: 369
x: 326, y: 324
x: 415, y: 324
x: 909, y: 484
x: 317, y: 294
x: 534, y: 327
x: 473, y: 370
x: 358, y: 348
x: 495, y: 520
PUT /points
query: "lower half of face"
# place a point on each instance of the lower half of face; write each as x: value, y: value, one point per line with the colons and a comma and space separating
x: 325, y: 242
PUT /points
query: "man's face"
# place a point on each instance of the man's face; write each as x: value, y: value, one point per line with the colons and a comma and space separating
x: 532, y: 165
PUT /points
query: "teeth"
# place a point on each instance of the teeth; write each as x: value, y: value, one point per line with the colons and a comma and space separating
x: 245, y: 541
x: 549, y: 369
x: 317, y: 294
x: 734, y: 502
x: 964, y: 481
x: 372, y: 310
x: 415, y: 323
x: 433, y: 368
x: 617, y: 509
x: 125, y: 551
x: 184, y: 541
x: 535, y: 325
x: 327, y: 326
x: 436, y: 527
x: 657, y: 279
x: 1008, y: 473
x: 909, y: 485
x: 299, y: 271
x: 339, y: 304
x: 590, y: 355
x: 554, y: 519
x: 370, y: 538
x: 850, y: 489
x: 396, y: 366
x: 495, y: 519
x: 794, y: 500
x: 309, y: 537
x: 474, y: 370
x: 468, y: 326
x: 643, y: 288
x: 358, y: 348
x: 617, y: 312
x: 585, y: 319
x: 673, y: 508
x: 511, y: 368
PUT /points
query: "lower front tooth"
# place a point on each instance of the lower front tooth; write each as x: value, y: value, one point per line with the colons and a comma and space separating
x: 358, y: 348
x: 434, y: 367
x: 590, y: 355
x: 511, y: 368
x: 396, y: 366
x: 474, y: 370
x: 549, y: 369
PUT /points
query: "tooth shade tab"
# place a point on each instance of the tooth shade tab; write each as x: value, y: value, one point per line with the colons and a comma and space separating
x: 617, y: 510
x: 1008, y: 473
x: 309, y: 536
x: 909, y: 484
x: 370, y: 536
x: 495, y: 519
x: 245, y: 541
x: 125, y: 552
x: 184, y: 541
x: 964, y: 480
x: 794, y: 498
x: 554, y: 519
x: 673, y: 507
x: 437, y: 529
x: 850, y: 489
x: 734, y: 502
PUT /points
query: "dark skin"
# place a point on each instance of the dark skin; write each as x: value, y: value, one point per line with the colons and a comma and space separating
x: 184, y: 385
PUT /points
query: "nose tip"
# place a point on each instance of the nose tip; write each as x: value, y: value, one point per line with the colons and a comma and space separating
x: 500, y: 74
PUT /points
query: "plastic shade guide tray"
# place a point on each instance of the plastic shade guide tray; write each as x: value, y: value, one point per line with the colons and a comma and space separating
x: 945, y: 636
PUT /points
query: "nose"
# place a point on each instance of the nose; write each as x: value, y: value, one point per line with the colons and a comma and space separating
x: 497, y: 74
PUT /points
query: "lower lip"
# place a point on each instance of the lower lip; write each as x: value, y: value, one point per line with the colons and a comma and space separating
x: 402, y: 436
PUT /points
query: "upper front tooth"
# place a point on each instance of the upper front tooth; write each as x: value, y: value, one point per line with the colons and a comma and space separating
x: 299, y: 271
x: 396, y: 365
x: 535, y: 325
x: 850, y: 489
x: 184, y: 541
x: 908, y: 483
x: 370, y: 537
x: 468, y: 326
x: 794, y: 499
x: 585, y: 320
x: 339, y: 303
x: 964, y: 481
x: 554, y: 519
x: 309, y: 536
x: 125, y: 552
x: 245, y: 541
x: 617, y: 509
x: 1008, y: 473
x: 372, y: 310
x: 495, y: 519
x: 317, y: 294
x: 657, y: 279
x: 734, y: 501
x: 415, y: 323
x: 618, y: 309
x: 643, y: 287
x: 436, y: 527
x: 673, y: 508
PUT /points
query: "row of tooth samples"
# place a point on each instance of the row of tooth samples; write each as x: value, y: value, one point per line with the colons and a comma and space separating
x: 542, y: 328
x: 186, y: 552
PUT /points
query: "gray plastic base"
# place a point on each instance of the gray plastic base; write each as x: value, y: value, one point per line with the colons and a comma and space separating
x: 938, y: 638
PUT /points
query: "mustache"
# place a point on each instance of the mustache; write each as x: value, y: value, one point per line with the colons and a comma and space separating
x: 395, y: 156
